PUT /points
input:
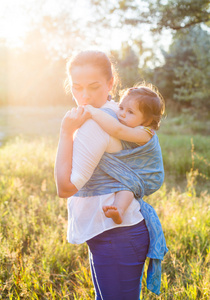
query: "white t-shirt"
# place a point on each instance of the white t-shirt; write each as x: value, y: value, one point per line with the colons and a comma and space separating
x: 86, y: 218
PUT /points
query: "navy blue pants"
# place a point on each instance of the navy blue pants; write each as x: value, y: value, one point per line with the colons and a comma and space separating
x: 117, y: 258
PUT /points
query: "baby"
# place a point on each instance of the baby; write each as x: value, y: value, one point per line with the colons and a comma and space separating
x: 139, y: 114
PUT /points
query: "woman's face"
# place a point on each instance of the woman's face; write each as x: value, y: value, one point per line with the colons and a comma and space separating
x: 89, y: 85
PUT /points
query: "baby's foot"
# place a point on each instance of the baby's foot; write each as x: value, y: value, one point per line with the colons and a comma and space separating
x: 112, y: 212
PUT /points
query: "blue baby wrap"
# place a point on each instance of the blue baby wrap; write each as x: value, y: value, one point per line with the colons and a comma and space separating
x: 140, y: 170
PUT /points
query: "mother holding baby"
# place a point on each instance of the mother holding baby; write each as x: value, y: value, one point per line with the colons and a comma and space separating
x: 93, y: 168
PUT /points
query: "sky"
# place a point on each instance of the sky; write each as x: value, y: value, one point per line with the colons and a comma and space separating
x: 18, y: 17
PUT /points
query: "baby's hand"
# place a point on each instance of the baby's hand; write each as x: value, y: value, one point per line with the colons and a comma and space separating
x: 89, y: 108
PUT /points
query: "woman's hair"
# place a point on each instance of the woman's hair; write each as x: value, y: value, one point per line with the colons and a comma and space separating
x: 150, y: 101
x: 97, y: 59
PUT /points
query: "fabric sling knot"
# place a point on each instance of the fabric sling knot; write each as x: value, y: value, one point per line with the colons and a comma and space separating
x: 140, y: 170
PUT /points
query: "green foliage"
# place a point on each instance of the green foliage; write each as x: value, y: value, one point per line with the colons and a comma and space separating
x: 127, y: 63
x: 178, y: 14
x: 185, y: 75
x: 190, y: 54
x: 160, y: 14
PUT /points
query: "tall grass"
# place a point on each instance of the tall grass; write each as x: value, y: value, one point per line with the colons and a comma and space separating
x: 36, y: 262
x: 176, y: 151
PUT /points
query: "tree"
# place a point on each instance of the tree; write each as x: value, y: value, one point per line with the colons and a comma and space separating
x: 160, y: 14
x: 178, y: 14
x: 186, y: 72
x: 127, y: 63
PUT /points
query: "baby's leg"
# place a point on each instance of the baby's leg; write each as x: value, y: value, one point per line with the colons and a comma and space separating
x: 116, y: 211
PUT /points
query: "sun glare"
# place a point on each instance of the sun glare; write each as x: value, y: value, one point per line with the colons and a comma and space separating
x: 12, y: 29
x: 13, y: 23
x: 16, y: 17
x: 81, y: 9
x: 78, y: 9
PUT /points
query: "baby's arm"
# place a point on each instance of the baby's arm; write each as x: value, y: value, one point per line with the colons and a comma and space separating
x: 116, y: 211
x: 116, y: 129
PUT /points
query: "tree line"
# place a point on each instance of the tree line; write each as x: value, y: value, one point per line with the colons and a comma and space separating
x: 35, y: 75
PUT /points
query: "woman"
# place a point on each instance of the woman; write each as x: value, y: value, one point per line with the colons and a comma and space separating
x: 117, y: 251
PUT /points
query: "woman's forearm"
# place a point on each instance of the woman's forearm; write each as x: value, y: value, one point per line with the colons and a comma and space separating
x: 63, y: 166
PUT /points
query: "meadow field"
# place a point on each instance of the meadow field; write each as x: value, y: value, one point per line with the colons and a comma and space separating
x: 36, y: 262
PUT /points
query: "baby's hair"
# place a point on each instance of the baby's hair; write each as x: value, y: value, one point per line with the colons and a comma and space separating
x: 150, y: 101
x: 95, y: 58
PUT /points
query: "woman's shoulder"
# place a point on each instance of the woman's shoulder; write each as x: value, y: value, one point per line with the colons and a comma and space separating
x: 91, y: 133
x: 110, y: 106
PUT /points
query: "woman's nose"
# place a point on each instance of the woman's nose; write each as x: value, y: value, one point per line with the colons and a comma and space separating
x: 85, y: 94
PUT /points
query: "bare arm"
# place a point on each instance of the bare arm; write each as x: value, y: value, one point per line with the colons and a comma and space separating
x: 63, y: 164
x: 116, y: 129
x: 77, y: 158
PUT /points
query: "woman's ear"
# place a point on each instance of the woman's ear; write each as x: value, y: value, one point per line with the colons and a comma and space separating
x: 110, y: 83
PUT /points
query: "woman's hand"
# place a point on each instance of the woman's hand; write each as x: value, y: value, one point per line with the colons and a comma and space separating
x: 73, y: 119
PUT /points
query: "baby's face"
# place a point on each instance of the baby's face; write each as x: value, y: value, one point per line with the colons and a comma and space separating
x: 129, y: 113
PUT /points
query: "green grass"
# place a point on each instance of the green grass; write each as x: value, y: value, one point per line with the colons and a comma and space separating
x: 36, y: 262
x: 177, y: 158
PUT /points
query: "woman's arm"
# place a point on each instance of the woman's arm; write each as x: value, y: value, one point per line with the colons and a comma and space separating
x: 116, y: 129
x: 77, y: 158
x: 63, y: 164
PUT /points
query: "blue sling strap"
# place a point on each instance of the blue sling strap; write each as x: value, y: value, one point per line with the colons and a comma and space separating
x: 139, y: 170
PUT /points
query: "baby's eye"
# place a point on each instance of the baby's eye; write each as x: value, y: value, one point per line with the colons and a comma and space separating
x: 120, y: 108
x: 130, y: 112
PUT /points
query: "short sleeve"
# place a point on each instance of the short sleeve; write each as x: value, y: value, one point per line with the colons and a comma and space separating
x: 149, y: 130
x: 90, y: 143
